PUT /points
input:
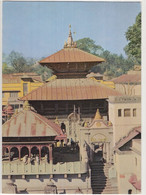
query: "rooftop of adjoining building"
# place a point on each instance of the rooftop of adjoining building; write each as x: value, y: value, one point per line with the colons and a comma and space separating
x: 16, y: 77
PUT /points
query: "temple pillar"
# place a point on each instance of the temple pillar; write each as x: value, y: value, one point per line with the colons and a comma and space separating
x: 3, y: 151
x: 29, y: 149
x: 39, y: 147
x: 50, y: 154
x: 105, y: 152
x: 9, y: 148
x: 19, y: 148
x: 109, y: 152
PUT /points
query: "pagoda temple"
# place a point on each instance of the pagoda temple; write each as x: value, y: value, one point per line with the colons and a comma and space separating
x: 72, y: 89
x: 71, y: 62
x: 71, y: 100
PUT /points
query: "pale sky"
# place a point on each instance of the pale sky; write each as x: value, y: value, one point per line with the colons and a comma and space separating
x: 39, y: 29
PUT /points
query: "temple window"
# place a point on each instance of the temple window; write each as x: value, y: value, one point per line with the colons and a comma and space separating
x: 25, y: 88
x: 119, y: 112
x: 14, y: 94
x: 134, y: 112
x: 3, y: 94
x: 127, y: 112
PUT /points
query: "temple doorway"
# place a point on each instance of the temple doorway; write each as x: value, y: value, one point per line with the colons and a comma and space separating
x: 98, y: 152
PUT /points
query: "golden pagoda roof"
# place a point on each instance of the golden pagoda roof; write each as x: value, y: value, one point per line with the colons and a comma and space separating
x: 70, y: 55
x: 71, y: 89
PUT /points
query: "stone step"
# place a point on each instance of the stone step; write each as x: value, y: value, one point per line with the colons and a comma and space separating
x: 110, y: 192
x: 99, y: 181
x: 98, y: 173
x: 99, y: 177
x: 97, y: 169
x: 110, y: 187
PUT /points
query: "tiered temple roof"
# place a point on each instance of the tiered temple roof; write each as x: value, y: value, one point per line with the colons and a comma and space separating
x: 71, y: 62
x: 71, y: 89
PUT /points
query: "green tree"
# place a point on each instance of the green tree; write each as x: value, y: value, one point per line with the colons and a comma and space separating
x: 6, y: 69
x: 133, y: 35
x: 18, y: 62
x: 115, y: 65
x: 42, y: 70
x: 89, y: 46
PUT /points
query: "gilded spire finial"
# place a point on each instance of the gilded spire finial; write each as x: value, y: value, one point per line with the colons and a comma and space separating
x: 97, y: 115
x: 70, y: 43
x: 56, y: 120
x: 69, y: 27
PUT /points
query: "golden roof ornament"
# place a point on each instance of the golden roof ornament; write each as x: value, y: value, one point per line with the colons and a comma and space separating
x: 70, y: 43
x: 65, y: 44
x: 56, y: 120
x: 109, y: 123
x: 85, y: 124
x: 16, y: 112
x: 26, y: 105
x: 97, y: 115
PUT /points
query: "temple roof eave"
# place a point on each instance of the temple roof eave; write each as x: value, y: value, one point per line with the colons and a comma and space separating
x: 71, y: 55
x: 71, y: 89
x: 30, y: 124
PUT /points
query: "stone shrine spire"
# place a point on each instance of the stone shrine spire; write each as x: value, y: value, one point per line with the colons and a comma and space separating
x: 70, y: 43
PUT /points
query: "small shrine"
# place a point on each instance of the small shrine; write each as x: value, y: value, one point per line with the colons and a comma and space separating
x: 98, y: 134
x: 29, y: 134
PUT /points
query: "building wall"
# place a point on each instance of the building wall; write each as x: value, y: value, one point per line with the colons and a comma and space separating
x: 129, y: 89
x: 123, y: 124
x: 127, y: 163
x: 7, y: 88
x: 34, y: 185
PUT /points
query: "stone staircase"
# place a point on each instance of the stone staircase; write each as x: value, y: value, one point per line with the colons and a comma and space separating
x: 100, y: 182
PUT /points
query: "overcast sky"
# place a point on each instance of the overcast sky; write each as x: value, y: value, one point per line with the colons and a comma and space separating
x: 38, y: 29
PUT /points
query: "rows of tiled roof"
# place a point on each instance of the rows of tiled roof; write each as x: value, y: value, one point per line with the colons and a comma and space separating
x: 128, y: 78
x: 71, y: 89
x: 16, y: 77
x: 30, y: 124
x: 71, y: 55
